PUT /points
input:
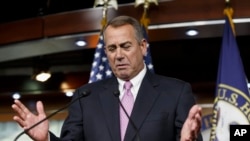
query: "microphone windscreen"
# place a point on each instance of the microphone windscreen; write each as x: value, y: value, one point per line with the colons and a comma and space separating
x: 117, y: 93
x: 85, y: 93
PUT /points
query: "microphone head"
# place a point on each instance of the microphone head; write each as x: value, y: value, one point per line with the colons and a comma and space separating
x: 116, y: 93
x: 85, y: 93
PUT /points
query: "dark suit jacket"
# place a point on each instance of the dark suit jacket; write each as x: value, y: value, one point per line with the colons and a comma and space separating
x: 160, y: 109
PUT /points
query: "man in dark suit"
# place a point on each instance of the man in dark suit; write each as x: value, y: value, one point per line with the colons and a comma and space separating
x: 163, y: 108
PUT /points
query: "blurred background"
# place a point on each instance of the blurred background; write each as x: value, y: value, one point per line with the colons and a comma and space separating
x: 41, y: 35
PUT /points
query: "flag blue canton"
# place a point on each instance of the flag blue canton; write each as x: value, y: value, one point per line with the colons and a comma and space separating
x: 100, y: 66
x: 232, y: 102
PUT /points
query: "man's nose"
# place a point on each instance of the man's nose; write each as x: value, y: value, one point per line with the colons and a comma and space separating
x: 119, y: 53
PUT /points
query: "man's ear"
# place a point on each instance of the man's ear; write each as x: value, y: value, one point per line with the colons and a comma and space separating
x: 143, y: 46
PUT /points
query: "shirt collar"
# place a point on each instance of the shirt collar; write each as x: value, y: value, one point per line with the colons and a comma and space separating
x: 136, y: 81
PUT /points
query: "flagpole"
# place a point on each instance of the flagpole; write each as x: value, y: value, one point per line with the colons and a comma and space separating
x: 228, y: 11
x: 105, y: 4
x: 144, y: 23
x: 146, y: 3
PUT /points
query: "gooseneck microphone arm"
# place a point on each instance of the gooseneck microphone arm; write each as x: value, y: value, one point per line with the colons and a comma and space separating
x: 83, y: 94
x: 117, y: 94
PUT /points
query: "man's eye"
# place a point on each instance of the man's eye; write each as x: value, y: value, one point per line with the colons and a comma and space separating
x: 111, y: 49
x: 126, y: 46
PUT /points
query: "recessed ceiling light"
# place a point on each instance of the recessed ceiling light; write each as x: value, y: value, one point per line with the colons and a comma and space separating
x: 43, y: 76
x: 192, y: 32
x: 80, y: 43
x: 69, y: 94
x: 16, y: 96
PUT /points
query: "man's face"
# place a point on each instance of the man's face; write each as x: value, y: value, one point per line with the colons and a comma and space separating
x: 124, y: 53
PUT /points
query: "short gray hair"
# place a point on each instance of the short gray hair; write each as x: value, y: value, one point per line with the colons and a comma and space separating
x: 124, y: 20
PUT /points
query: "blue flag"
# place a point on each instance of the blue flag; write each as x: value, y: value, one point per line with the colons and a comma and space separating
x: 100, y: 66
x: 231, y: 104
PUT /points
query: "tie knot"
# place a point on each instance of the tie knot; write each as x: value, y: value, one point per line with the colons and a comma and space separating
x: 127, y: 85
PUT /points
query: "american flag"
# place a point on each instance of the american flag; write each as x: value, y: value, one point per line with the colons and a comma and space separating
x: 100, y: 66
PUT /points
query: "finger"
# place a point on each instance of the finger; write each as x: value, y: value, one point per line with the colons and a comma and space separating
x: 40, y: 108
x: 195, y: 127
x: 197, y: 123
x: 21, y: 110
x: 19, y: 121
x: 192, y: 112
x: 198, y: 116
x: 18, y: 110
x: 195, y: 115
x: 21, y: 106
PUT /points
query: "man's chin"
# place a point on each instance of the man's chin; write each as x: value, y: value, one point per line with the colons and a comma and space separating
x: 123, y: 76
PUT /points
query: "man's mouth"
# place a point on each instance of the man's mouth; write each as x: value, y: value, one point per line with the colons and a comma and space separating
x: 121, y: 66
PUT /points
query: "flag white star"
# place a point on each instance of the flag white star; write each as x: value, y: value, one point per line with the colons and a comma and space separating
x: 150, y: 66
x: 97, y: 55
x: 99, y: 46
x: 94, y: 64
x: 92, y: 73
x: 99, y: 76
x: 108, y: 72
x: 101, y: 67
x: 104, y: 59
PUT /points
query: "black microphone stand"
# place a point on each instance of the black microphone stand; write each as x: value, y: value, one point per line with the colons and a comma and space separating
x: 117, y: 94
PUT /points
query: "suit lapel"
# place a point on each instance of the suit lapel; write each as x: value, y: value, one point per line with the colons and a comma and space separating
x: 147, y: 96
x: 110, y: 105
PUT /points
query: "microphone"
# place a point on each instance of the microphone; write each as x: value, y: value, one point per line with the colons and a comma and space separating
x: 83, y: 94
x: 117, y: 94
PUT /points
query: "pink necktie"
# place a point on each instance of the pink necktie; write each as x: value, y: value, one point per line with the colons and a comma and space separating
x: 127, y: 102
